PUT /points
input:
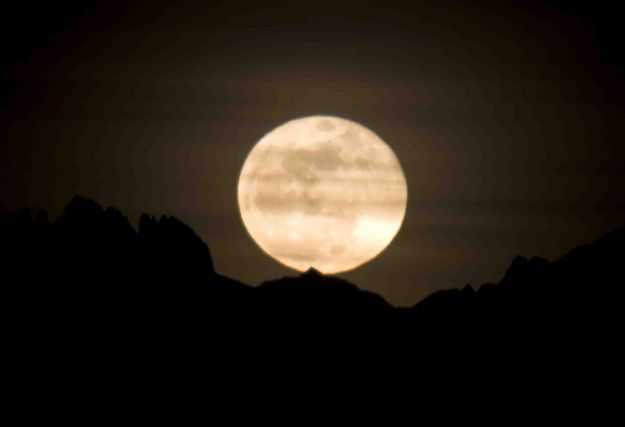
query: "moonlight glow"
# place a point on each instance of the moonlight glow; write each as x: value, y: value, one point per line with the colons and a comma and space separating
x: 322, y: 192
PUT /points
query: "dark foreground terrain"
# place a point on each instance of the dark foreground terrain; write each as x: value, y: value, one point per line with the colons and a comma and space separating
x: 88, y: 300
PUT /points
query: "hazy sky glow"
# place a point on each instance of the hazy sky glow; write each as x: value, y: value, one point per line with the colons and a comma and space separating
x: 507, y: 120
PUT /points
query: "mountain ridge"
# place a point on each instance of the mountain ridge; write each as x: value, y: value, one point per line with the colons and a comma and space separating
x: 83, y: 215
x: 91, y: 311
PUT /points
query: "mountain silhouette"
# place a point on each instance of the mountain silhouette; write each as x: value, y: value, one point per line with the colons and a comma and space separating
x: 90, y: 283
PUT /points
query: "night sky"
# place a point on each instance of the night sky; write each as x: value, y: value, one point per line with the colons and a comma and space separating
x: 507, y: 118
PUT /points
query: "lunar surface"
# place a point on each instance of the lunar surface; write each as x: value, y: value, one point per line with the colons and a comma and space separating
x: 322, y: 192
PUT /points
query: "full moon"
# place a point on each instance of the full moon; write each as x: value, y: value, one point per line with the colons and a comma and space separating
x: 322, y: 192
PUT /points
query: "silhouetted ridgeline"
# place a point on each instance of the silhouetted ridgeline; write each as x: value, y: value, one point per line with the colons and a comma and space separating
x: 90, y: 276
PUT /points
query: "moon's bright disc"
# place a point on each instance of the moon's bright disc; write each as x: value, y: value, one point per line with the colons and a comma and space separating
x: 322, y: 192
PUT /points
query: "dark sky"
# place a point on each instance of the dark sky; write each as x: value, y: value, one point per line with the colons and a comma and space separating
x: 507, y: 118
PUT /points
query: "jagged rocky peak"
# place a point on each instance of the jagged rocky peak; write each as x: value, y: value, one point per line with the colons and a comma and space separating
x: 312, y: 272
x: 170, y: 238
x: 81, y: 207
x: 86, y: 219
x: 468, y: 289
x: 523, y: 269
x: 168, y: 226
x: 146, y: 222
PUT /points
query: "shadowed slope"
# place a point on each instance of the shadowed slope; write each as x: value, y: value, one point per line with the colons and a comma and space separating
x: 92, y: 306
x: 90, y: 268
